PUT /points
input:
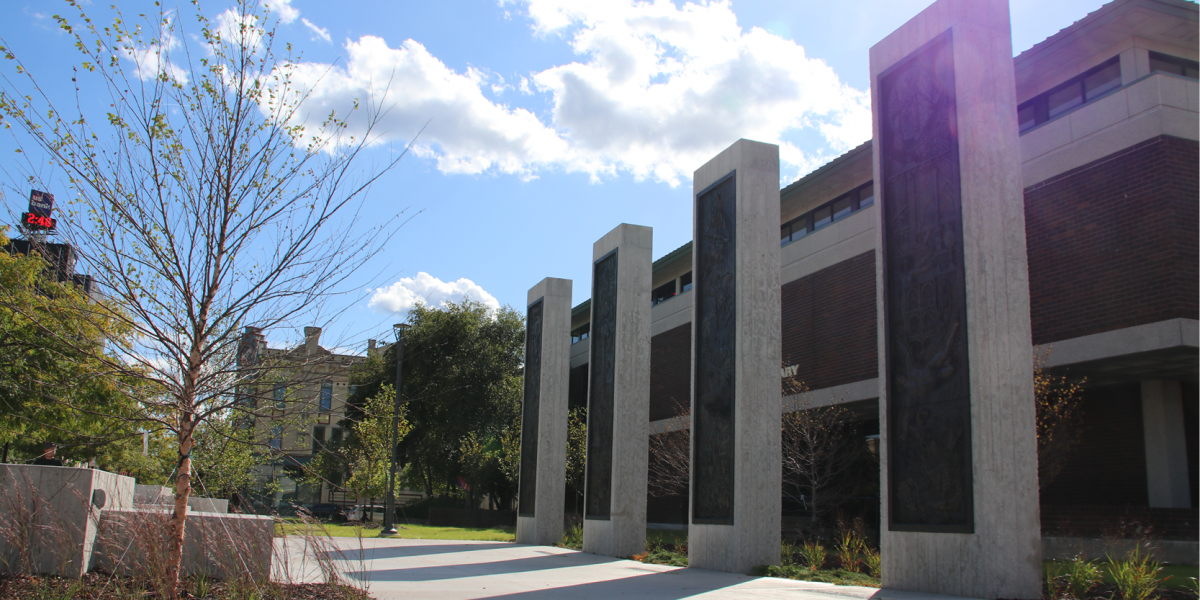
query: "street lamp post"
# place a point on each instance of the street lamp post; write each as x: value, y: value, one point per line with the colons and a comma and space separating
x: 389, y: 511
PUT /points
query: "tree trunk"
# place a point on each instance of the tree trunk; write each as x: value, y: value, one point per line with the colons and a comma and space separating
x: 183, y: 490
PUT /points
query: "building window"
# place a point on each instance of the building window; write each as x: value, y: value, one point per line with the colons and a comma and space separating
x: 326, y: 396
x: 281, y: 396
x: 318, y: 441
x: 685, y: 282
x: 580, y: 333
x: 335, y: 435
x: 1166, y: 63
x: 662, y: 293
x: 822, y: 216
x: 1077, y: 91
x: 276, y: 437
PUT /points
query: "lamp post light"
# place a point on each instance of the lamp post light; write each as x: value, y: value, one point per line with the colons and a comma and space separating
x: 389, y: 510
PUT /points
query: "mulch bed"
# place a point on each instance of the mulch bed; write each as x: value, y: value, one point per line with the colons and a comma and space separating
x: 98, y: 586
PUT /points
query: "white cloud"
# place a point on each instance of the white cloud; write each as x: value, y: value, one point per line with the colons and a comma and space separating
x: 152, y: 60
x: 467, y: 132
x: 656, y: 90
x: 319, y: 32
x: 283, y: 9
x: 238, y: 30
x: 406, y: 293
x: 662, y: 88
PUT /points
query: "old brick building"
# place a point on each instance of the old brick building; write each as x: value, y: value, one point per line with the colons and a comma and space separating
x: 1108, y: 116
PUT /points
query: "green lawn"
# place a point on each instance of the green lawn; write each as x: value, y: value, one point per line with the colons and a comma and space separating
x: 412, y: 532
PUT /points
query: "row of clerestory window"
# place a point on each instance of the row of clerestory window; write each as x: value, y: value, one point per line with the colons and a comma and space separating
x: 831, y: 212
x: 1093, y: 84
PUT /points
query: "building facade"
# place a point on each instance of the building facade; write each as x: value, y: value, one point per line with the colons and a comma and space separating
x: 1108, y: 113
x: 300, y: 406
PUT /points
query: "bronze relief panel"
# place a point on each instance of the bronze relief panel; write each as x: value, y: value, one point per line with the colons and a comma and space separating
x: 527, y: 495
x: 602, y: 373
x: 716, y: 347
x: 929, y: 396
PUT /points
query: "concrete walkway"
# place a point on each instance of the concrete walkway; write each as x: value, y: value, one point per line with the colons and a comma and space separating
x: 461, y: 570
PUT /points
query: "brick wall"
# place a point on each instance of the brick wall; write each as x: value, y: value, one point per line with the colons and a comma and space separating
x: 1113, y: 243
x: 1108, y: 466
x: 829, y: 324
x: 670, y: 372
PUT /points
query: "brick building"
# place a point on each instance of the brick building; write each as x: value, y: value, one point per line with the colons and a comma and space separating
x: 300, y: 406
x: 1108, y: 117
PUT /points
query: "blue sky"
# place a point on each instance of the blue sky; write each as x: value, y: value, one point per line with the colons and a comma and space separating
x: 553, y: 121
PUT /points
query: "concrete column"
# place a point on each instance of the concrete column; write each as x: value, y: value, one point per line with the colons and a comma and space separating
x: 735, y: 503
x: 1167, y: 478
x: 958, y: 455
x: 544, y: 413
x: 618, y: 394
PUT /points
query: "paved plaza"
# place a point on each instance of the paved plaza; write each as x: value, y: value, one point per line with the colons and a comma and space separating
x: 462, y: 570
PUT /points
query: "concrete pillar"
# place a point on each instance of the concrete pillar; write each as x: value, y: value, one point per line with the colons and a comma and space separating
x: 614, y: 521
x: 544, y: 413
x: 1167, y: 478
x: 958, y: 456
x: 735, y: 471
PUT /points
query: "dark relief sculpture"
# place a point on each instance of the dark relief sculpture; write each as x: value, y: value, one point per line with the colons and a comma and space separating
x: 527, y: 497
x: 716, y: 338
x: 929, y: 395
x: 602, y: 371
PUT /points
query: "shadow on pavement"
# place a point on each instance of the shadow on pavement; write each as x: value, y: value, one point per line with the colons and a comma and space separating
x: 375, y: 553
x: 672, y: 585
x: 484, y: 569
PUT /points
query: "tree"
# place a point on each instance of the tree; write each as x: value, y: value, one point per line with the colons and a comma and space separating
x: 224, y: 455
x: 201, y: 204
x: 670, y: 457
x: 823, y: 447
x: 52, y: 387
x: 367, y: 454
x: 462, y: 376
x: 576, y: 452
x: 1059, y: 417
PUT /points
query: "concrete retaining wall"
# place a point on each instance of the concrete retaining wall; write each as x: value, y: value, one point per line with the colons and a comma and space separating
x: 49, y: 516
x: 218, y: 546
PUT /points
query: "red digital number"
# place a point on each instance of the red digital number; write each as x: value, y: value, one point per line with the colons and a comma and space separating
x: 39, y: 222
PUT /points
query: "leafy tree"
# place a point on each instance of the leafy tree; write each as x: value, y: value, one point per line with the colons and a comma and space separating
x: 576, y: 453
x: 201, y: 204
x: 367, y: 456
x: 462, y: 377
x: 53, y: 387
x: 1059, y: 417
x: 225, y: 456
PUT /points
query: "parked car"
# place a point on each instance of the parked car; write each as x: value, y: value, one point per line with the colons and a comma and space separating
x: 322, y: 511
x: 363, y: 512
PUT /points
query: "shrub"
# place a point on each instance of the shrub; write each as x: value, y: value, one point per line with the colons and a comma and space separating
x: 787, y: 553
x: 814, y: 554
x: 849, y: 546
x: 874, y: 562
x: 1135, y: 575
x: 573, y: 538
x: 1081, y: 575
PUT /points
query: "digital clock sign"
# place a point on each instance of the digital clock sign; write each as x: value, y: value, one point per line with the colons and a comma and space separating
x: 36, y: 221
